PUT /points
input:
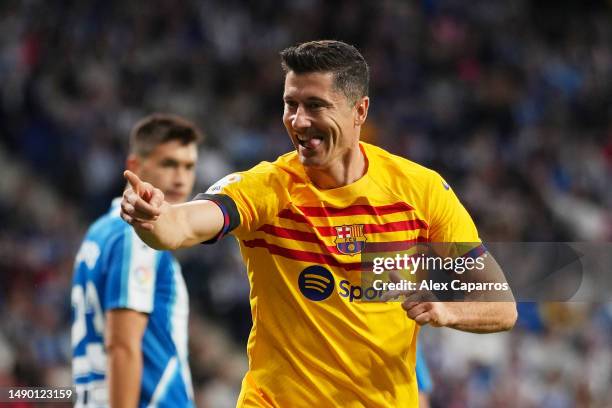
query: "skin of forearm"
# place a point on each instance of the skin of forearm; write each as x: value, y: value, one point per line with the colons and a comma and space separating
x: 183, y: 225
x: 167, y: 229
x: 125, y: 373
x: 482, y: 317
x: 485, y: 311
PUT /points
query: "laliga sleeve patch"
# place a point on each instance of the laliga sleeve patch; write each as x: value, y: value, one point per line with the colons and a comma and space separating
x: 225, y: 181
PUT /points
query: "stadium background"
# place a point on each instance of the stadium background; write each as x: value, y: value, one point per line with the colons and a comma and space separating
x: 510, y: 100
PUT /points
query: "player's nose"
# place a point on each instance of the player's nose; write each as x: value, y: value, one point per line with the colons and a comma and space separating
x: 181, y: 176
x: 300, y: 119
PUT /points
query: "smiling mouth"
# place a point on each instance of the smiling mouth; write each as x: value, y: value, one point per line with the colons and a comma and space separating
x: 309, y: 142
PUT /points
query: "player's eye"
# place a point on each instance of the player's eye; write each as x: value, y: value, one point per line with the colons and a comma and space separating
x: 292, y: 105
x: 169, y: 163
x: 314, y: 105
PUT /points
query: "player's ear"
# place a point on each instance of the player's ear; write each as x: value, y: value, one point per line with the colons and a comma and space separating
x: 361, y: 110
x: 132, y: 163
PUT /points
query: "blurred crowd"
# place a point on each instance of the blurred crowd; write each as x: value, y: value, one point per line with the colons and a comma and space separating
x: 510, y: 100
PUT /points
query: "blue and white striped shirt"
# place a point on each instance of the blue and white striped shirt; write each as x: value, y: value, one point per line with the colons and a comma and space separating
x: 114, y: 269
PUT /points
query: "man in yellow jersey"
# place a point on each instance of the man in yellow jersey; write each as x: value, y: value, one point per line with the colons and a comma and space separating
x: 302, y: 222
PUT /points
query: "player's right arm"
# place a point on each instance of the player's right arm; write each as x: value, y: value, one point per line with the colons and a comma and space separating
x: 168, y: 226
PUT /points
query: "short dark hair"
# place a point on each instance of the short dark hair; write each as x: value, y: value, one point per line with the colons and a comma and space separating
x: 159, y: 128
x: 350, y: 69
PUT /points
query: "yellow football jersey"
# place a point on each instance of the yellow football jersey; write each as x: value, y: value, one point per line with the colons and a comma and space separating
x: 313, y: 342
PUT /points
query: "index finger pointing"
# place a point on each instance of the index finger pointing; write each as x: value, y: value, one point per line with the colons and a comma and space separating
x: 133, y: 179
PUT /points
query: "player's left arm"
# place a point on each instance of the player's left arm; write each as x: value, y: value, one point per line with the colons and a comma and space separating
x: 485, y: 311
x: 480, y: 312
x: 475, y: 317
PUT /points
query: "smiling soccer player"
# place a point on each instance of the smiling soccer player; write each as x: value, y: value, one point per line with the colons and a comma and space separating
x: 303, y: 222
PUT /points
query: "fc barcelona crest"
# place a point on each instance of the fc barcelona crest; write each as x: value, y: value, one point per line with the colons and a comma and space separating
x: 350, y: 239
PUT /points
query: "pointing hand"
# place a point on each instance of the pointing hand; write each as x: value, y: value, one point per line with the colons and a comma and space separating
x: 141, y: 203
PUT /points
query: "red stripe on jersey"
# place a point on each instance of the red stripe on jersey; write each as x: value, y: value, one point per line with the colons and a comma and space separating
x: 312, y: 237
x: 304, y: 256
x: 408, y: 225
x: 393, y: 246
x: 358, y: 209
x: 289, y: 233
x: 290, y: 215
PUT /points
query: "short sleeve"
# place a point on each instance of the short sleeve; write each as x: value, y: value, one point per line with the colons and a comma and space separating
x: 131, y: 266
x: 449, y: 221
x: 247, y: 199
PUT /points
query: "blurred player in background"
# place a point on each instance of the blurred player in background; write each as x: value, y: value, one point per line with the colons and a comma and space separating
x: 423, y: 377
x: 130, y: 304
x: 302, y: 223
